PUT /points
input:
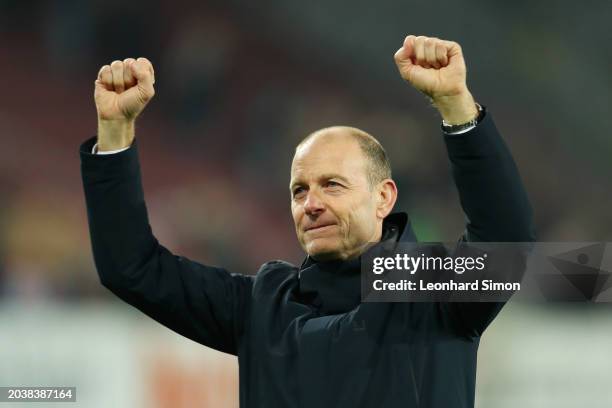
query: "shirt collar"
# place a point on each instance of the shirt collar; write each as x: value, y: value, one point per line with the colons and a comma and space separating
x: 335, y: 286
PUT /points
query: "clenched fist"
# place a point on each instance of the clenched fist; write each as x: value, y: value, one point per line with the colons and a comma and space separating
x: 122, y: 90
x: 436, y: 68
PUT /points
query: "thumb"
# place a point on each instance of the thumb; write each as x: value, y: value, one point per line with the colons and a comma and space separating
x: 415, y: 74
x: 142, y: 70
x: 408, y: 69
x: 100, y: 89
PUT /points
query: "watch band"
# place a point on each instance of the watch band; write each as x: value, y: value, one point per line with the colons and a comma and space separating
x: 464, y: 127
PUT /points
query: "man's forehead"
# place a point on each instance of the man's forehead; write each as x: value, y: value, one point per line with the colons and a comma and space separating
x: 327, y: 151
x: 329, y: 141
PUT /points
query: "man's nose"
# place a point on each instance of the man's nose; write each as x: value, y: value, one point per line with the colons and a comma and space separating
x: 313, y: 205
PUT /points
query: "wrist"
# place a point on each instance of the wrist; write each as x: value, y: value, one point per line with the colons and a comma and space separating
x: 457, y: 109
x: 115, y: 134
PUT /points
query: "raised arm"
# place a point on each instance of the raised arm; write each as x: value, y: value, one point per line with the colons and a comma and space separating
x: 490, y: 188
x: 206, y: 304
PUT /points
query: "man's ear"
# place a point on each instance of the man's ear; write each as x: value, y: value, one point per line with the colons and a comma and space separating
x: 386, y: 195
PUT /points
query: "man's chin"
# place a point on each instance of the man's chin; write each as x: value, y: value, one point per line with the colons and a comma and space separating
x: 321, y: 252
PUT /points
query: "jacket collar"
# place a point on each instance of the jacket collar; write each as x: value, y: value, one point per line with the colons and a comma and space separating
x: 335, y: 286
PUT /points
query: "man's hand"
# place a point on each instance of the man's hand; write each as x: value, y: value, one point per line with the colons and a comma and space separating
x: 436, y: 68
x: 122, y: 90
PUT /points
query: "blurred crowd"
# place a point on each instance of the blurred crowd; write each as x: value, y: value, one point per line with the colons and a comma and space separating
x: 216, y: 142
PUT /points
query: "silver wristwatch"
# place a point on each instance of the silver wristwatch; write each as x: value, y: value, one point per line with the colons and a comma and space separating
x: 464, y: 127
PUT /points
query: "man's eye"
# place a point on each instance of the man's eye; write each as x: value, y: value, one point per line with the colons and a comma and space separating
x: 297, y: 191
x: 332, y: 184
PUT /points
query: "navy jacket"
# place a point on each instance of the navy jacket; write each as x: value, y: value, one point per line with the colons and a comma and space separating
x: 301, y: 334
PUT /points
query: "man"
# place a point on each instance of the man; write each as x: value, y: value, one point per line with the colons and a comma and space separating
x: 301, y: 334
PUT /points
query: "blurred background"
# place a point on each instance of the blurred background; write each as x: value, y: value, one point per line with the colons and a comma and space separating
x: 238, y: 85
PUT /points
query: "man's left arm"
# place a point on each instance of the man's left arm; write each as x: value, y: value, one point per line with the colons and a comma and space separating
x: 494, y: 201
x: 490, y: 188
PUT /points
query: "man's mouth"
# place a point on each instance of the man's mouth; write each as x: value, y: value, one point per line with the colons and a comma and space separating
x: 318, y: 227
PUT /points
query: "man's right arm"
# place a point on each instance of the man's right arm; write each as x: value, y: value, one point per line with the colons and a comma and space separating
x: 206, y: 304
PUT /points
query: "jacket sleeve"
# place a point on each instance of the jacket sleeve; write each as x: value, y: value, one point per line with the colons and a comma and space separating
x: 494, y: 201
x: 204, y: 303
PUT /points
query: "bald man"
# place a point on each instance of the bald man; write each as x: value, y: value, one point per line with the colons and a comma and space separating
x: 301, y: 333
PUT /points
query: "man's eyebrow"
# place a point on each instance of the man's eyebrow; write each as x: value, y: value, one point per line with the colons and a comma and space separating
x: 326, y: 176
x: 330, y: 176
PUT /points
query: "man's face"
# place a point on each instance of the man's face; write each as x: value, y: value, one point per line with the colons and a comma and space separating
x: 333, y: 206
